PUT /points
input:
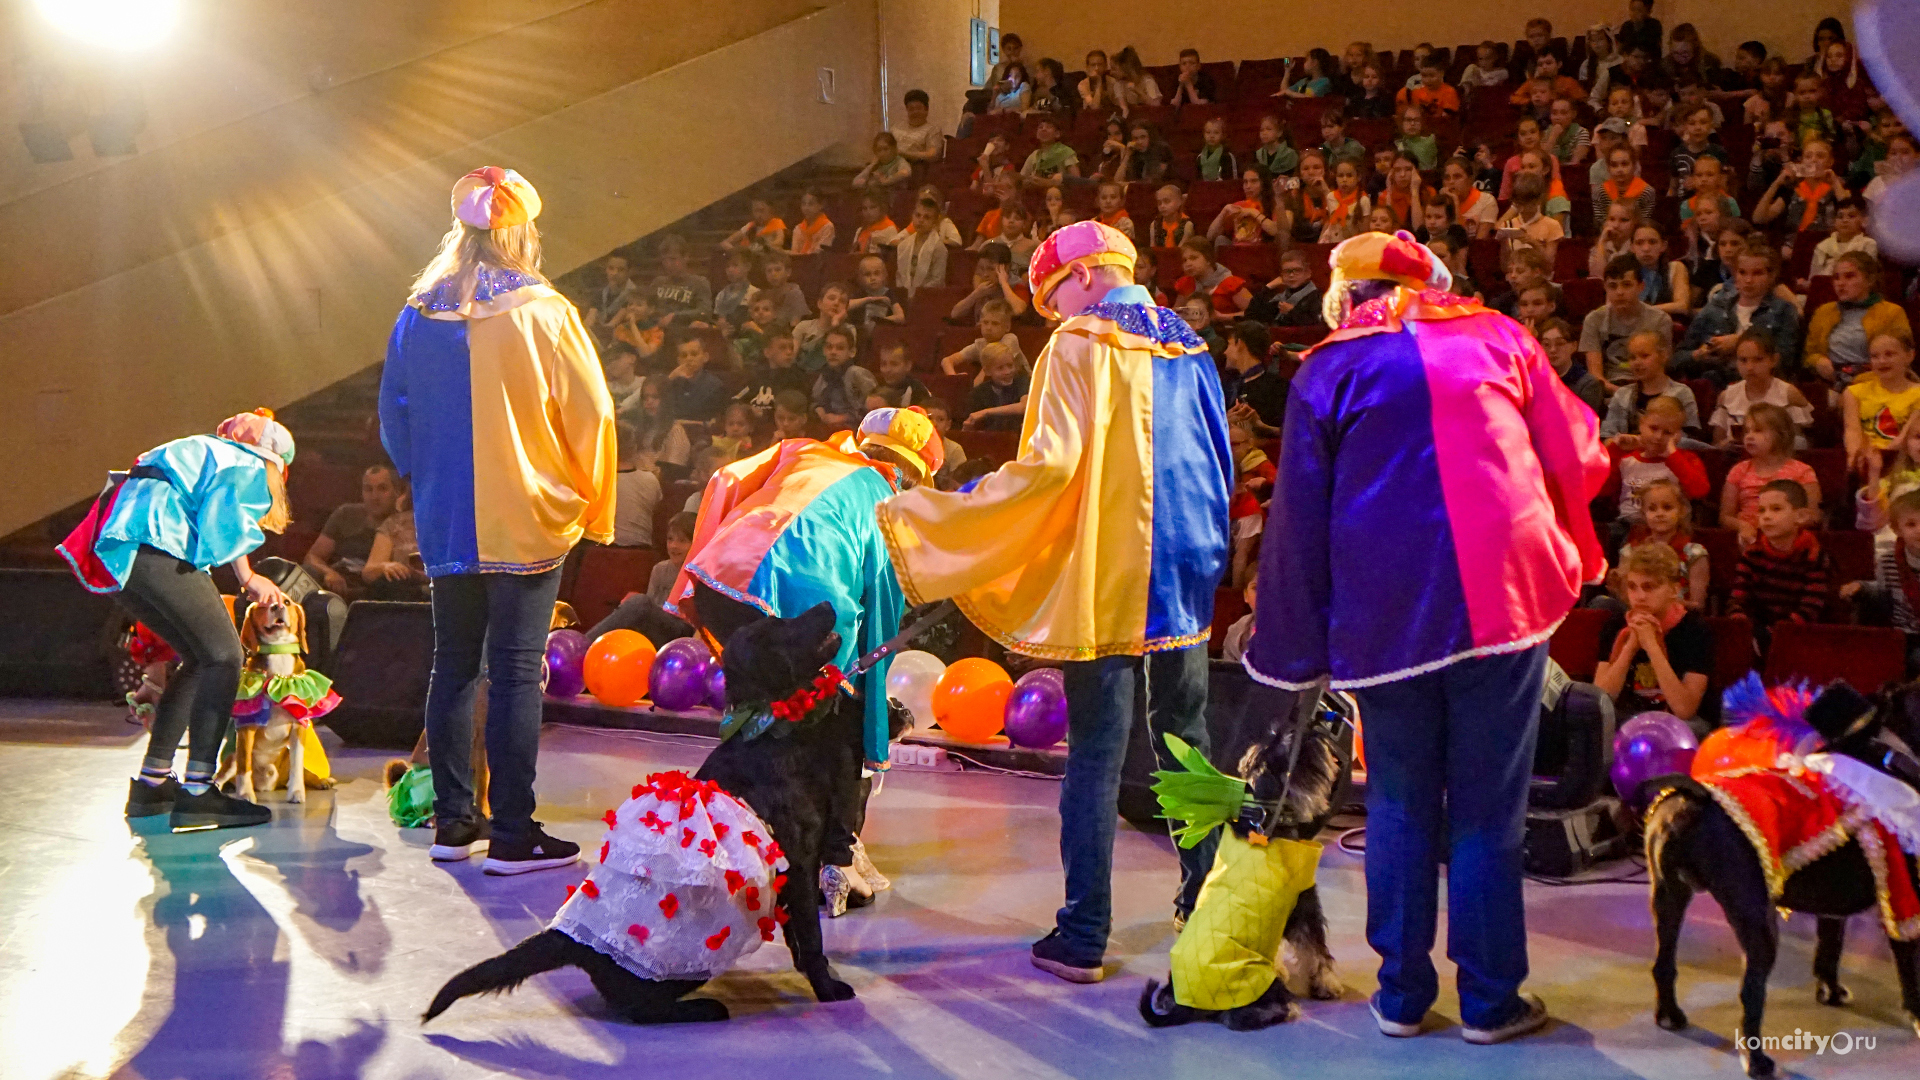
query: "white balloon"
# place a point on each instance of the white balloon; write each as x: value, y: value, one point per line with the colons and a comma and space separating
x: 911, y: 680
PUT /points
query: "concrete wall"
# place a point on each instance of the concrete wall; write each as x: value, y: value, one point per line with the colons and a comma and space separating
x: 1263, y: 28
x: 263, y: 258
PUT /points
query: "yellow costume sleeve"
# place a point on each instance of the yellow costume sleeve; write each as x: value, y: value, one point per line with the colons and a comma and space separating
x: 581, y: 411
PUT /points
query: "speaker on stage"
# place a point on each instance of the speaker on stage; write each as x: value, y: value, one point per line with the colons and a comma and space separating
x: 1240, y: 712
x: 56, y: 638
x: 380, y: 670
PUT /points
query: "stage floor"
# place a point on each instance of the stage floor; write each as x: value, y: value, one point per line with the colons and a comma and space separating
x: 305, y: 950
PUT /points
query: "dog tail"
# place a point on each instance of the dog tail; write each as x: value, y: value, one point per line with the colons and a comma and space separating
x: 1676, y: 809
x: 396, y: 768
x: 544, y: 951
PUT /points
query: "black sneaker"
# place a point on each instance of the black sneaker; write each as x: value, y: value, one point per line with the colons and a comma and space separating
x: 525, y: 854
x: 148, y: 800
x: 1050, y: 955
x: 454, y: 842
x: 215, y: 809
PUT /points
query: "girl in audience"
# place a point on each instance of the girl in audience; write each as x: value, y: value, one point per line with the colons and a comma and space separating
x: 888, y: 168
x: 662, y: 439
x: 1565, y: 138
x: 1624, y: 186
x: 1138, y: 86
x: 1307, y: 202
x: 763, y: 232
x: 1659, y: 654
x: 1017, y: 97
x: 1204, y: 277
x: 1347, y: 206
x: 1895, y: 480
x: 1405, y: 196
x: 1616, y: 238
x: 1755, y: 356
x: 1666, y: 518
x: 1874, y: 408
x: 1597, y: 69
x: 1316, y: 76
x: 1816, y: 192
x: 1473, y: 209
x: 1528, y: 135
x: 1668, y: 289
x: 1249, y: 221
x: 1841, y: 329
x: 1768, y: 439
x: 1375, y: 101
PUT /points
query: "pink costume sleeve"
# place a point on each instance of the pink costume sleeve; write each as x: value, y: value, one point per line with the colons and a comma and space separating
x: 1566, y: 436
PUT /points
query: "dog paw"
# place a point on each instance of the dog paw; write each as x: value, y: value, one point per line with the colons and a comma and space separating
x: 1671, y: 1018
x: 1831, y: 993
x: 1326, y: 987
x: 831, y: 989
x: 296, y: 795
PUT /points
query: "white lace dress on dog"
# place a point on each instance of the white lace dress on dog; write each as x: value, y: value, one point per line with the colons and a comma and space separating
x: 687, y: 883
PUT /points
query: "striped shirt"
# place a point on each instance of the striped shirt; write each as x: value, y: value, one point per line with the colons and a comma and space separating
x: 1886, y: 579
x: 1770, y: 585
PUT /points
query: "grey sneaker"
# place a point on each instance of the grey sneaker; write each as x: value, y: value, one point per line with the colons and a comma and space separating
x: 1391, y: 1028
x: 835, y: 886
x: 1530, y: 1020
x: 863, y: 866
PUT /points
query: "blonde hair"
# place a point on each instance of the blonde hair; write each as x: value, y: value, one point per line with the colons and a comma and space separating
x: 1776, y: 421
x: 1683, y: 525
x: 1657, y: 561
x: 464, y: 249
x: 280, y: 514
x: 1668, y: 408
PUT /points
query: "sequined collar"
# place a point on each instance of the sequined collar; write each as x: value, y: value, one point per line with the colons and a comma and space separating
x: 488, y: 292
x: 1387, y: 314
x: 1130, y: 307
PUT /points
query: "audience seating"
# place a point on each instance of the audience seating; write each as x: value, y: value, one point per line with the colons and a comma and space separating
x: 1000, y: 445
x: 1228, y: 606
x: 1575, y: 645
x: 604, y: 577
x: 1869, y: 657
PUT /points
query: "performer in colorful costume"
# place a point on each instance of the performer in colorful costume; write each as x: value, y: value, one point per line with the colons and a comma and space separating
x: 493, y: 404
x: 1100, y: 545
x: 1427, y: 534
x: 184, y: 507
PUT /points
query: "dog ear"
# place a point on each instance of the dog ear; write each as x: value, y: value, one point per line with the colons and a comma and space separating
x: 297, y: 618
x: 249, y: 641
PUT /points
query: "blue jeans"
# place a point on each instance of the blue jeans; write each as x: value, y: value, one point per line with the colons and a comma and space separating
x: 1100, y: 697
x: 507, y: 615
x: 1449, y: 759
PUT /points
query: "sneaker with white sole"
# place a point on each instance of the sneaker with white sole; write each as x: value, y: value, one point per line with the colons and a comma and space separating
x: 454, y: 842
x: 525, y: 854
x: 863, y: 866
x: 1392, y: 1028
x: 1050, y: 955
x: 1531, y: 1019
x: 836, y: 887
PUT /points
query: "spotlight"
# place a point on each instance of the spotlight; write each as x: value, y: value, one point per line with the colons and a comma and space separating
x: 123, y: 25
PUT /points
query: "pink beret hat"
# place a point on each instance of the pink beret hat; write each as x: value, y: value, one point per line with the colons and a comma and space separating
x: 494, y: 198
x: 1087, y: 242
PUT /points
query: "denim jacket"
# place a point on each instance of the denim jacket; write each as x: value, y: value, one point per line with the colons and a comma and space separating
x: 1775, y: 316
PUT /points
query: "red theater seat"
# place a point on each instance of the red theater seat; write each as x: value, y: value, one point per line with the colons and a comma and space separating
x: 1575, y: 646
x: 604, y: 578
x: 1869, y: 657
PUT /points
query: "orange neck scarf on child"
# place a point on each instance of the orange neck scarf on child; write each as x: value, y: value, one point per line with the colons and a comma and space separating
x: 861, y: 238
x: 1810, y: 195
x: 1343, y: 205
x: 989, y: 226
x: 1166, y: 233
x: 1633, y: 189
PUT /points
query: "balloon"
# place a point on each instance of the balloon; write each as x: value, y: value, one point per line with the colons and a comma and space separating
x: 1642, y: 757
x: 1734, y: 748
x: 1037, y: 710
x: 970, y: 700
x: 566, y: 655
x: 616, y: 667
x: 910, y: 681
x: 717, y: 686
x: 679, y: 677
x: 1667, y: 728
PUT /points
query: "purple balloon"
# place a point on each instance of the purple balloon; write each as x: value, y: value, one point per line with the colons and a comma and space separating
x: 679, y: 677
x: 717, y: 687
x: 1644, y: 756
x: 1664, y: 728
x: 566, y: 663
x: 1037, y: 709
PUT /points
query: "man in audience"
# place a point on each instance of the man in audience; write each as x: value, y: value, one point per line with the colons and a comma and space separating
x: 340, y: 552
x: 1256, y: 397
x: 918, y: 140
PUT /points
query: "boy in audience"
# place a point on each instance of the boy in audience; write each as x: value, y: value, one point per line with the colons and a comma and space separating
x: 1214, y: 161
x: 1526, y: 221
x: 887, y: 169
x: 956, y: 455
x: 612, y: 296
x: 789, y: 304
x: 811, y: 335
x: 1884, y: 601
x: 1255, y: 396
x: 992, y: 280
x: 1647, y: 363
x: 619, y: 363
x: 791, y: 415
x: 998, y: 402
x: 1433, y: 96
x: 1651, y: 455
x: 1052, y: 162
x: 919, y: 140
x: 1172, y: 227
x: 1197, y: 313
x: 877, y: 231
x: 813, y: 233
x: 1016, y: 231
x: 1111, y: 204
x: 679, y: 538
x: 692, y: 392
x: 1535, y: 304
x: 897, y: 386
x: 1784, y: 576
x: 1605, y: 331
x: 1233, y: 646
x: 1696, y: 134
x: 872, y: 300
x: 1546, y: 69
x: 765, y: 381
x: 1192, y: 86
x: 1561, y: 341
x: 636, y: 492
x: 1335, y: 143
x: 1707, y: 350
x: 840, y: 393
x: 1416, y: 141
x: 730, y: 303
x: 1849, y: 234
x: 996, y: 328
x: 684, y: 300
x: 758, y: 329
x: 1485, y: 71
x: 1293, y: 299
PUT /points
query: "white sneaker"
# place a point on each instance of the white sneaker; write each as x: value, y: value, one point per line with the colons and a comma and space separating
x: 1528, y: 1022
x: 863, y: 866
x: 1392, y: 1028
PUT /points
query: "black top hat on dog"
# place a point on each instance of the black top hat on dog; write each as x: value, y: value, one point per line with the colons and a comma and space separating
x: 1840, y: 712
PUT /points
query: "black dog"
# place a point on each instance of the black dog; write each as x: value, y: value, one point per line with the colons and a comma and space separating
x: 1692, y: 844
x: 1320, y: 775
x: 798, y: 782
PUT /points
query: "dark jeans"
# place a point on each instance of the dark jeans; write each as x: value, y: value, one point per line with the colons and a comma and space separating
x: 183, y: 606
x: 1100, y: 697
x: 644, y: 614
x: 1449, y: 759
x: 507, y: 615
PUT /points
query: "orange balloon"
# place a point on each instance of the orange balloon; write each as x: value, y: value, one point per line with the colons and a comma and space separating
x: 617, y: 666
x: 970, y: 700
x: 1734, y: 748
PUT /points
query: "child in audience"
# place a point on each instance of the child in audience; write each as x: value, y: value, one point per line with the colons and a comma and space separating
x: 663, y: 439
x: 1887, y: 600
x: 920, y: 256
x: 992, y: 280
x: 1816, y: 192
x: 682, y: 298
x: 1293, y: 299
x: 637, y: 325
x: 1473, y: 209
x: 888, y: 168
x: 897, y: 386
x: 1433, y: 95
x: 1347, y: 206
x: 996, y: 328
x: 1113, y: 150
x: 750, y: 340
x: 1546, y: 69
x: 1226, y: 291
x: 1647, y: 364
x: 1172, y: 227
x: 1807, y: 116
x: 1768, y: 440
x: 1380, y: 220
x: 811, y: 334
x: 1016, y: 231
x: 1653, y: 453
x: 1249, y: 221
x: 1233, y: 646
x: 1666, y: 519
x: 789, y: 305
x: 1623, y: 187
x: 1659, y: 654
x: 1316, y: 76
x: 1415, y: 140
x: 992, y: 223
x: 1275, y: 156
x: 1536, y: 304
x: 1696, y: 133
x: 1053, y: 161
x: 998, y: 402
x: 1903, y: 152
x: 1193, y: 86
x: 735, y: 440
x: 1708, y: 185
x: 1841, y: 331
x: 1214, y: 161
x: 1451, y: 248
x: 1526, y: 220
x: 871, y: 302
x: 1535, y: 98
x: 1335, y: 145
x: 692, y: 393
x: 1784, y: 576
x: 1375, y: 101
x: 1755, y: 357
x: 1198, y: 315
x: 840, y: 393
x: 1849, y: 234
x: 813, y: 233
x: 994, y: 166
x: 1875, y: 406
x: 1564, y: 138
x: 730, y: 303
x: 1405, y: 197
x: 1750, y: 306
x: 1526, y: 265
x: 1615, y: 239
x: 1436, y: 217
x: 1670, y: 288
x: 612, y: 296
x: 623, y: 385
x: 1146, y: 156
x: 791, y: 415
x: 1529, y: 134
x: 762, y: 233
x: 1146, y: 274
x: 1375, y: 180
x: 636, y: 492
x: 1485, y: 71
x: 1253, y: 481
x: 877, y: 230
x: 1561, y: 342
x: 956, y: 455
x: 1111, y: 201
x: 1602, y: 60
x: 774, y: 374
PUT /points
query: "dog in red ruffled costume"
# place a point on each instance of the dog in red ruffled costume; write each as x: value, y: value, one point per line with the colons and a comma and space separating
x: 1830, y: 828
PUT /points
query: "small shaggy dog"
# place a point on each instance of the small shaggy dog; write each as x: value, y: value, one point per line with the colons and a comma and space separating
x: 1320, y: 774
x: 792, y: 779
x: 1693, y: 844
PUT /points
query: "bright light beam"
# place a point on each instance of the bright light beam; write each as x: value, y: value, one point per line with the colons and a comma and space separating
x: 121, y: 25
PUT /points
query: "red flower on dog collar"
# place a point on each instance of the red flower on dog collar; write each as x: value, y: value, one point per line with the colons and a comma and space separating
x: 799, y: 704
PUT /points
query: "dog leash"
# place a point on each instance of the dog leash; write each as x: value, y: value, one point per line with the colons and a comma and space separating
x: 897, y: 642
